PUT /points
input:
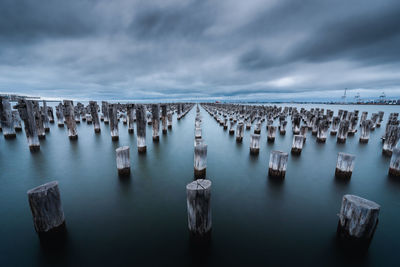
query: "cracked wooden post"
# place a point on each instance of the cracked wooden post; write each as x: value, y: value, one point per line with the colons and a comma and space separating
x: 39, y: 120
x: 104, y: 110
x: 365, y: 130
x: 155, y: 120
x: 68, y: 110
x: 335, y: 125
x: 95, y: 116
x: 25, y: 109
x: 131, y: 117
x: 16, y: 121
x: 322, y: 131
x: 141, y: 128
x: 6, y: 119
x: 200, y: 160
x: 358, y: 219
x: 277, y: 164
x: 123, y: 161
x: 391, y: 139
x: 345, y: 165
x: 45, y: 117
x: 239, y: 132
x: 46, y: 208
x: 60, y: 115
x: 164, y: 118
x: 254, y: 144
x: 343, y: 131
x: 297, y: 145
x: 113, y: 119
x: 394, y: 167
x: 170, y: 120
x: 198, y: 195
x: 271, y: 133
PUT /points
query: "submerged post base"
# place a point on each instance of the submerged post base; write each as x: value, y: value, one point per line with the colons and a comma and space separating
x: 115, y: 138
x: 341, y: 140
x: 254, y: 151
x: 156, y: 138
x: 73, y: 137
x: 271, y: 139
x: 130, y: 131
x: 342, y: 174
x: 200, y: 174
x: 363, y: 140
x: 142, y: 149
x: 239, y: 139
x: 10, y: 136
x: 124, y: 172
x: 276, y: 173
x: 394, y: 173
x: 296, y: 151
x: 34, y: 148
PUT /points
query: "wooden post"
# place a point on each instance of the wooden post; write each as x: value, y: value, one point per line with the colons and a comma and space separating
x: 322, y: 131
x: 104, y: 110
x: 344, y: 165
x: 39, y: 120
x: 358, y: 219
x: 391, y: 139
x: 170, y: 120
x: 257, y: 128
x: 25, y: 109
x: 239, y: 132
x: 296, y: 124
x: 50, y: 114
x: 95, y: 116
x: 60, y: 115
x: 45, y: 117
x: 131, y: 117
x: 141, y: 128
x: 271, y: 132
x: 297, y: 145
x: 335, y: 125
x: 380, y: 118
x: 112, y: 116
x: 254, y: 144
x: 70, y: 120
x: 123, y: 161
x: 16, y: 121
x: 277, y: 164
x: 343, y: 131
x: 394, y: 167
x: 6, y: 119
x: 365, y: 130
x: 303, y: 132
x: 282, y: 125
x: 155, y: 111
x: 164, y: 118
x: 200, y: 160
x: 47, y: 211
x: 232, y: 127
x: 77, y: 114
x: 198, y: 195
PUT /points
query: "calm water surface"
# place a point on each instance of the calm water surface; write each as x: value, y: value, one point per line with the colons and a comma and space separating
x: 143, y: 221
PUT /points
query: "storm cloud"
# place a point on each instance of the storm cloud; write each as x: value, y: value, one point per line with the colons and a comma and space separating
x: 201, y: 49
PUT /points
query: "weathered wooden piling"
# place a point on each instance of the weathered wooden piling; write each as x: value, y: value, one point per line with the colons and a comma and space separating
x: 257, y: 128
x: 95, y: 116
x: 344, y: 165
x: 296, y: 124
x: 197, y: 133
x: 60, y: 115
x: 45, y: 117
x: 200, y: 160
x: 141, y: 128
x: 335, y: 125
x: 394, y: 167
x: 239, y: 132
x: 254, y: 144
x: 6, y: 119
x: 358, y: 219
x: 365, y: 130
x: 68, y: 110
x: 16, y: 121
x: 39, y: 120
x: 232, y: 127
x: 297, y: 145
x: 123, y: 161
x: 155, y: 111
x: 282, y: 125
x: 277, y: 164
x: 25, y: 109
x: 113, y: 118
x: 104, y: 110
x: 198, y: 195
x: 271, y: 133
x: 322, y: 131
x: 164, y: 118
x: 391, y: 138
x: 380, y: 118
x: 343, y: 131
x: 46, y: 207
x: 169, y: 120
x: 303, y: 132
x: 131, y: 117
x: 50, y: 114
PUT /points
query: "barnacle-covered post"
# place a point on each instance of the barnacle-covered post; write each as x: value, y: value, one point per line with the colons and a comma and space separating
x: 200, y: 160
x: 25, y: 109
x: 95, y: 116
x: 297, y: 145
x: 271, y: 132
x: 394, y: 167
x: 46, y: 208
x: 358, y: 219
x: 104, y: 110
x: 365, y: 130
x: 343, y: 131
x: 254, y: 144
x: 391, y: 139
x: 322, y: 130
x: 277, y: 164
x: 155, y: 111
x: 239, y: 132
x: 198, y: 194
x: 16, y: 121
x: 141, y: 128
x: 112, y: 116
x: 123, y: 161
x: 39, y: 120
x: 6, y: 119
x: 70, y: 120
x: 130, y: 109
x: 164, y: 118
x: 344, y: 165
x: 60, y: 115
x: 335, y: 125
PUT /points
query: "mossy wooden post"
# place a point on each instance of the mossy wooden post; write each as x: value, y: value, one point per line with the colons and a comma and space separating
x: 155, y: 120
x: 277, y: 164
x: 358, y: 219
x: 239, y: 132
x: 297, y: 144
x: 46, y: 208
x: 6, y: 119
x: 198, y: 194
x: 343, y: 131
x: 365, y: 130
x: 70, y: 120
x: 39, y: 120
x: 335, y: 125
x: 104, y: 110
x: 95, y: 116
x: 394, y: 167
x: 391, y: 139
x: 141, y: 128
x: 131, y: 117
x: 45, y: 117
x: 345, y: 165
x: 25, y: 109
x: 164, y: 118
x: 271, y: 133
x: 60, y: 115
x: 322, y: 131
x: 200, y: 160
x: 16, y: 121
x: 254, y: 144
x: 123, y: 161
x: 112, y: 116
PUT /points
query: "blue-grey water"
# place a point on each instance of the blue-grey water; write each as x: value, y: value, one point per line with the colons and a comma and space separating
x: 142, y: 221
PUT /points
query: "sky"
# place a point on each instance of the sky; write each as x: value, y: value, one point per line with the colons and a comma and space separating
x: 182, y: 49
